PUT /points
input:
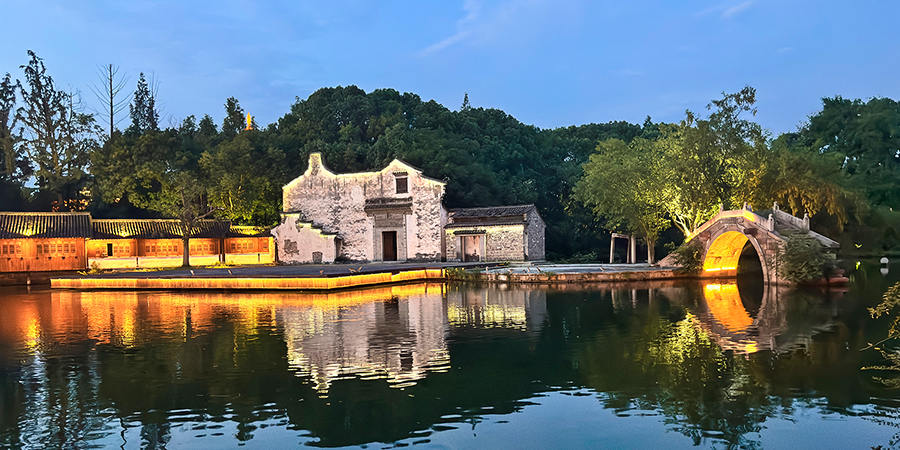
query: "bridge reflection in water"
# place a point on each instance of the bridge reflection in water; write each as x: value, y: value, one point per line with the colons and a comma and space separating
x: 133, y: 362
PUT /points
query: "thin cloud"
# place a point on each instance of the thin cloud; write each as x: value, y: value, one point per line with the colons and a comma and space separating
x: 463, y: 26
x: 737, y: 9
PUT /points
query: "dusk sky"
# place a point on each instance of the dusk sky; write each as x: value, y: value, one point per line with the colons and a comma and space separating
x: 548, y: 63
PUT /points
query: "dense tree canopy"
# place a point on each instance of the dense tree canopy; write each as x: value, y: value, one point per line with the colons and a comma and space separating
x: 648, y: 179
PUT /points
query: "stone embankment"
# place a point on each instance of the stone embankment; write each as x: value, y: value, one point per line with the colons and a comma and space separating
x: 569, y: 273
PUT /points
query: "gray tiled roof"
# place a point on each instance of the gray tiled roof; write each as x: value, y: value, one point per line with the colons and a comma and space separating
x: 19, y: 225
x: 492, y: 211
x: 249, y: 231
x: 156, y: 229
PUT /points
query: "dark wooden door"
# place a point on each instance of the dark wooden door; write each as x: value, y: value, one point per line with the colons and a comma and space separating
x: 389, y: 245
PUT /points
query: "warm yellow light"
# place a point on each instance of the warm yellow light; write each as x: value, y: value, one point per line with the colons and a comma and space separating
x: 319, y: 283
x: 725, y: 252
x: 724, y: 303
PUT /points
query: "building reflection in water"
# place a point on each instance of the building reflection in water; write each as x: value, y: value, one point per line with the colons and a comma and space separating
x: 396, y: 333
x: 491, y: 306
x: 105, y: 363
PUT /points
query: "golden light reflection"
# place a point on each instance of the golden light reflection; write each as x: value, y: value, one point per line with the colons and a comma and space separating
x: 323, y: 283
x: 724, y: 302
x: 394, y: 333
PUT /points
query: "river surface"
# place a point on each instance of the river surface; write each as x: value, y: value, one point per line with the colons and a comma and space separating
x: 653, y: 365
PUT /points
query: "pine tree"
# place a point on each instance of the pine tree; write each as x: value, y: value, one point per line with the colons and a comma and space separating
x: 144, y: 115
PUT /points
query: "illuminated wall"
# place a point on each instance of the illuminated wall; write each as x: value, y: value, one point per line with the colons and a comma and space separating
x: 358, y: 207
x: 725, y: 252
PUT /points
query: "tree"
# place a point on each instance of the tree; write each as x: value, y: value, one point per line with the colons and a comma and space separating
x: 707, y: 160
x: 108, y: 92
x: 865, y: 137
x: 143, y: 111
x: 234, y: 118
x: 158, y: 172
x: 14, y: 166
x: 803, y: 181
x: 465, y: 104
x: 59, y: 137
x: 623, y: 183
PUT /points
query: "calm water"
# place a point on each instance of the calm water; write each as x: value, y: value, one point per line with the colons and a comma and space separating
x: 447, y: 366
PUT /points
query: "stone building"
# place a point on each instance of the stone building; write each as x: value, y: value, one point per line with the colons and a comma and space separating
x: 394, y: 214
x: 499, y: 233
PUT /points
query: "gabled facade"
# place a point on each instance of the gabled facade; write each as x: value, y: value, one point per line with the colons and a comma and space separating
x: 498, y: 233
x: 394, y: 214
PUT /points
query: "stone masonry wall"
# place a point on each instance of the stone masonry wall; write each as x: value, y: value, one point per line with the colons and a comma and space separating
x: 534, y: 232
x: 336, y: 203
x: 298, y: 242
x: 505, y: 243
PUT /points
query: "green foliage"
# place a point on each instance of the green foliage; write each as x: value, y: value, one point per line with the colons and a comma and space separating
x: 624, y: 184
x: 864, y: 136
x: 94, y: 270
x: 689, y: 256
x: 14, y: 165
x: 803, y: 181
x: 58, y: 136
x: 144, y: 115
x: 460, y: 274
x: 707, y: 160
x: 890, y: 300
x: 801, y: 259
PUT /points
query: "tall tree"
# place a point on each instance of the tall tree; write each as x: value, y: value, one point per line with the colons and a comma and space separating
x: 234, y: 118
x: 623, y: 184
x: 109, y: 93
x: 143, y: 110
x: 865, y: 135
x: 707, y: 160
x: 58, y: 135
x: 14, y: 165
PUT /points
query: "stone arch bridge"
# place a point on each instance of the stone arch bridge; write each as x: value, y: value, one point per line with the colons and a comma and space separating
x: 732, y: 238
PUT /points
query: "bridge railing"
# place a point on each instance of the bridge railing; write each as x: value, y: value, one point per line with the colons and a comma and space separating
x: 743, y: 212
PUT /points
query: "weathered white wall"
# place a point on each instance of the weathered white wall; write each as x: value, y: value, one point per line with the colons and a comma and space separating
x: 297, y: 240
x: 535, y: 231
x: 336, y: 203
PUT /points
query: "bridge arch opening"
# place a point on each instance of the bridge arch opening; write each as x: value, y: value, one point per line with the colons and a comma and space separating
x: 733, y: 254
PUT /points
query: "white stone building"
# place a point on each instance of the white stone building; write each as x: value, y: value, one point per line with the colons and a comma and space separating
x: 496, y: 233
x: 394, y: 214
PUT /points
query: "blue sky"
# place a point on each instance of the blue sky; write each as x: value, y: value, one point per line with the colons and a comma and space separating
x: 550, y: 63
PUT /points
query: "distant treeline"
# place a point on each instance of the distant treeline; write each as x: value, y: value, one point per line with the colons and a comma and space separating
x: 847, y: 153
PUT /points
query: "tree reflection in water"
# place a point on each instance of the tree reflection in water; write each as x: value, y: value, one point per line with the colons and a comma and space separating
x: 413, y: 362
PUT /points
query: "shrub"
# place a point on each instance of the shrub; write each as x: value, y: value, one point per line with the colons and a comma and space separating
x: 801, y: 259
x: 689, y: 256
x: 459, y: 274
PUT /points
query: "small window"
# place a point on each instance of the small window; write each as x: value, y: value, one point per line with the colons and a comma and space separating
x: 5, y: 249
x: 402, y: 185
